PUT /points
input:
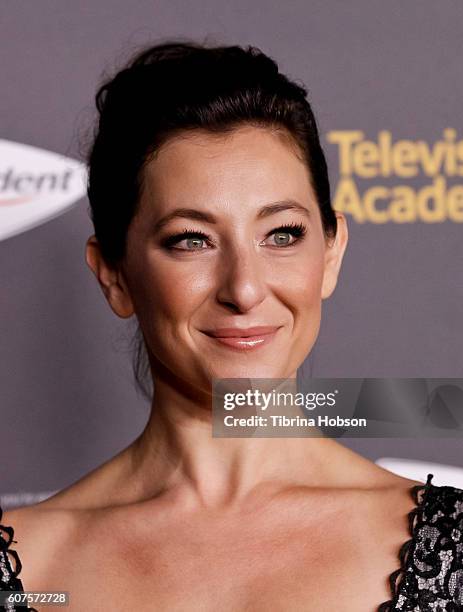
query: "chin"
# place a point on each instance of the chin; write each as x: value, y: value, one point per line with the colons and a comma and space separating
x: 249, y: 371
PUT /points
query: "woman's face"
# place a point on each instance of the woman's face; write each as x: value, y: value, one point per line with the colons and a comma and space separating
x: 239, y: 267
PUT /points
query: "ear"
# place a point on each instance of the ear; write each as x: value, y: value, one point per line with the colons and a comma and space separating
x: 334, y: 252
x: 110, y: 280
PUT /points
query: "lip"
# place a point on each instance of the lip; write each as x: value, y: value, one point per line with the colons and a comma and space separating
x: 243, y: 339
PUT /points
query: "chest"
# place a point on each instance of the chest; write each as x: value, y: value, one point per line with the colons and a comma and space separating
x: 233, y: 569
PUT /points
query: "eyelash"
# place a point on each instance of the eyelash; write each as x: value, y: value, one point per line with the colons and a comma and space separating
x: 297, y: 230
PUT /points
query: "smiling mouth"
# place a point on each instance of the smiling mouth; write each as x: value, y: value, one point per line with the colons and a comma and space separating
x: 243, y: 340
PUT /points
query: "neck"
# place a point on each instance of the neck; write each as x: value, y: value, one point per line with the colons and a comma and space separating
x: 177, y: 453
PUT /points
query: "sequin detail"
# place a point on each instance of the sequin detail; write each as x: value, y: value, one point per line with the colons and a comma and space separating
x: 9, y: 580
x: 430, y: 577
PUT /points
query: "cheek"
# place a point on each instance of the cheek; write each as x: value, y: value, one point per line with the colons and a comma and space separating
x: 300, y: 291
x: 167, y: 293
x: 304, y: 286
x: 301, y: 283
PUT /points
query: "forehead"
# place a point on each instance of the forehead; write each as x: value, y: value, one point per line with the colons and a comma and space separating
x: 245, y: 167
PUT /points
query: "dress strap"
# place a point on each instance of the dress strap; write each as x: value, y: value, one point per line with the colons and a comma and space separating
x: 9, y: 580
x: 397, y: 577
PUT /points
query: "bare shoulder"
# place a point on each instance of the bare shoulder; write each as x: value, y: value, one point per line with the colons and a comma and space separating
x: 400, y: 484
x: 379, y: 517
x: 390, y: 498
x: 40, y: 533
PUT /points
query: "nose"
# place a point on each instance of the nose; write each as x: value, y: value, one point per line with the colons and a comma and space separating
x: 241, y: 280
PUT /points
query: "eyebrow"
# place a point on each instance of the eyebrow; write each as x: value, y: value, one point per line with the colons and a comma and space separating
x: 198, y: 215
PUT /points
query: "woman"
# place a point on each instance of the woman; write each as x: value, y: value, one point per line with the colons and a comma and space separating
x: 211, y: 206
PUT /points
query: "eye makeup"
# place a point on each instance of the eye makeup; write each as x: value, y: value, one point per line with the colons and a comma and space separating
x: 297, y: 230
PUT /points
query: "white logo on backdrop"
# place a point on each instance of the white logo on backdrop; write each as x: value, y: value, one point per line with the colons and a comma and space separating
x: 35, y: 186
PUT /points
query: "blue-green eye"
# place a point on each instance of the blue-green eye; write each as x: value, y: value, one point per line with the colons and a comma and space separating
x: 198, y: 241
x: 283, y: 233
x: 194, y: 243
x: 193, y: 239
